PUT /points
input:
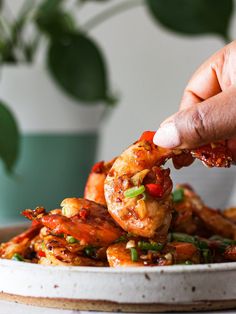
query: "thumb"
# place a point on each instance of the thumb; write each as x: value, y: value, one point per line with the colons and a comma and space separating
x: 211, y: 120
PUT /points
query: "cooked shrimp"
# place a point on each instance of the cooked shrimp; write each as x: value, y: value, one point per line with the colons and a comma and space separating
x: 185, y: 220
x: 120, y: 255
x: 86, y: 221
x: 57, y: 251
x: 20, y: 243
x: 230, y: 213
x: 216, y: 222
x: 182, y: 252
x: 230, y: 253
x: 139, y: 167
x: 94, y: 188
x: 192, y: 209
x: 147, y: 216
x: 214, y: 154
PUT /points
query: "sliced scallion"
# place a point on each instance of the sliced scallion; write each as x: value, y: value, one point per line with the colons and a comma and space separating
x: 17, y: 257
x: 206, y: 254
x: 135, y: 191
x: 71, y: 240
x: 188, y: 263
x: 223, y: 240
x: 90, y: 251
x: 43, y: 246
x: 200, y: 243
x: 147, y: 246
x: 122, y: 238
x: 182, y: 237
x: 178, y: 195
x: 134, y: 254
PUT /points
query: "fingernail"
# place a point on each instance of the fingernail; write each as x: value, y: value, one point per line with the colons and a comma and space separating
x: 167, y: 136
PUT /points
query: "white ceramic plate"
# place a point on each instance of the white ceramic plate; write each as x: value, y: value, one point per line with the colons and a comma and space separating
x: 141, y: 289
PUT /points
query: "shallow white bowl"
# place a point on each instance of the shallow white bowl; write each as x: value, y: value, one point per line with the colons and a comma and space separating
x: 141, y: 289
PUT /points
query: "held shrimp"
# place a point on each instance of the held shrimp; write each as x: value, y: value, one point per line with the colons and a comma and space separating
x: 138, y: 189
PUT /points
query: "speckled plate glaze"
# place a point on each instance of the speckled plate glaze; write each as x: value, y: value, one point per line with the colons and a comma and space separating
x: 141, y: 289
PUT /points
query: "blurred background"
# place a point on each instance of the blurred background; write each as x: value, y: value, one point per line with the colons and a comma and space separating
x: 146, y: 60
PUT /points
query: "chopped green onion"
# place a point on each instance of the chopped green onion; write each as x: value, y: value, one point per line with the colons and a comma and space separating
x: 122, y: 238
x: 200, y: 243
x: 182, y: 237
x: 17, y: 257
x: 147, y: 246
x: 135, y: 191
x: 43, y: 246
x: 133, y: 254
x: 178, y: 195
x: 216, y: 238
x: 223, y: 240
x: 60, y: 235
x: 229, y: 242
x: 188, y: 263
x: 206, y: 254
x: 90, y: 251
x: 71, y: 240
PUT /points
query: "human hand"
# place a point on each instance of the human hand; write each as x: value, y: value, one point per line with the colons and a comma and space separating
x: 208, y: 106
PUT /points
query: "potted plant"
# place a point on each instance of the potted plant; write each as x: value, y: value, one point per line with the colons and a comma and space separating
x: 58, y: 104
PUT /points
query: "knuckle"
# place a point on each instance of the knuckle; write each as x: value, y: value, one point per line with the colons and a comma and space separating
x: 200, y: 124
x: 197, y: 124
x: 193, y: 126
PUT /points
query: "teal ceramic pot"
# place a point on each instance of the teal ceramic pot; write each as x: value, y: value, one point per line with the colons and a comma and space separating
x: 58, y: 144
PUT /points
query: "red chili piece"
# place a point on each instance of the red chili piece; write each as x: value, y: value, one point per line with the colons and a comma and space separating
x: 41, y: 254
x: 155, y: 189
x: 147, y: 135
x: 83, y: 213
x: 98, y: 167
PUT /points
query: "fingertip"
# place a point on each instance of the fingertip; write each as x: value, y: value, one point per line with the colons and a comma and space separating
x: 167, y: 136
x: 155, y: 138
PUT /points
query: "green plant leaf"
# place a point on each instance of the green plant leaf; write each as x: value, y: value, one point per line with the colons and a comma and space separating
x: 9, y: 137
x: 47, y: 7
x: 78, y: 67
x: 193, y: 16
x: 52, y: 20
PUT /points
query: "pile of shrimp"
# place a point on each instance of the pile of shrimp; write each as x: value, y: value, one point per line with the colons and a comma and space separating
x: 130, y: 216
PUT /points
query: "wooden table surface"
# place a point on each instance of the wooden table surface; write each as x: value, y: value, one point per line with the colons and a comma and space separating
x: 10, y: 307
